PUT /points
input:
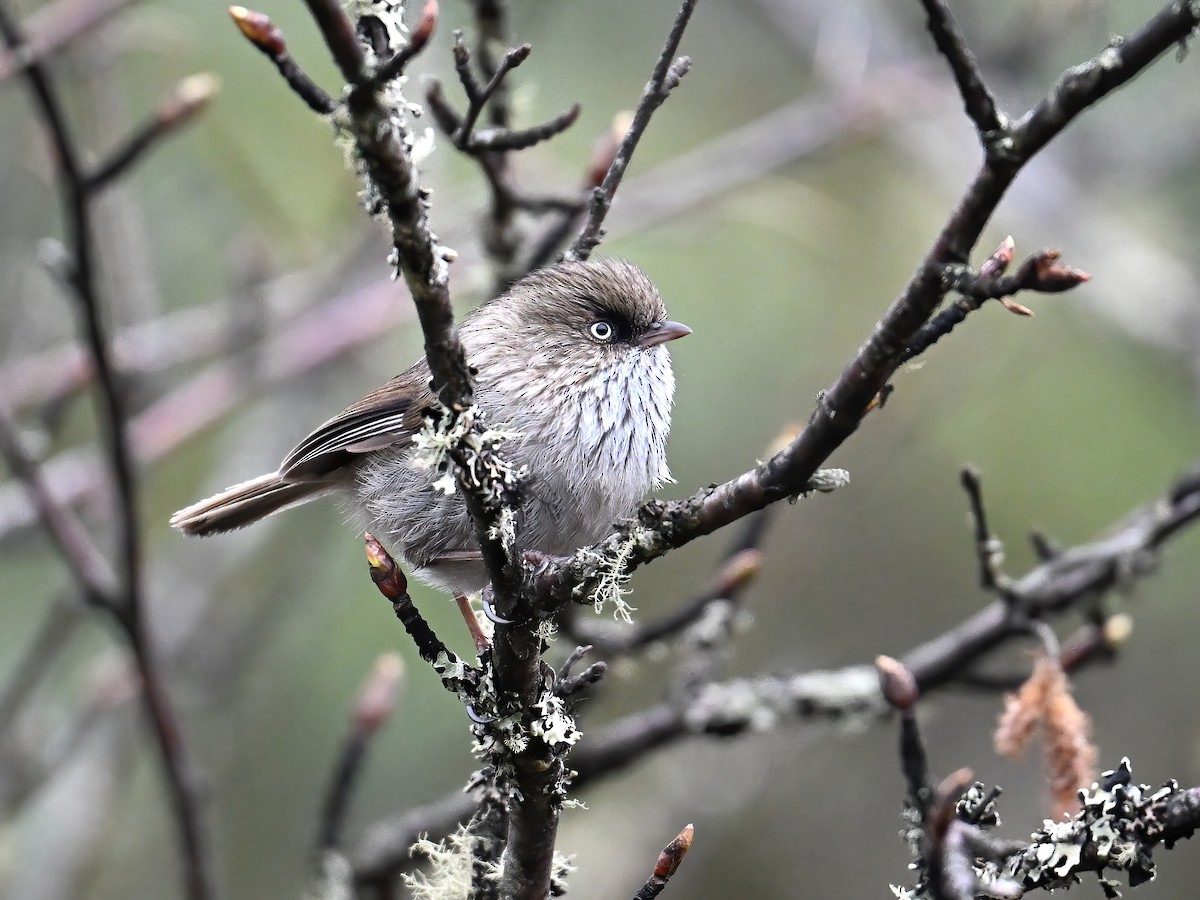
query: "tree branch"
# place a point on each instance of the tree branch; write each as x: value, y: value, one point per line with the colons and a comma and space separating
x: 668, y: 72
x: 661, y: 527
x: 127, y: 605
x: 741, y: 706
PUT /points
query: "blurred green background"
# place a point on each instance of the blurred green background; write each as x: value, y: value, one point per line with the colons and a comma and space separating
x: 1073, y: 417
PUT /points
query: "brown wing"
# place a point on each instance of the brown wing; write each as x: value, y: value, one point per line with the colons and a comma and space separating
x: 388, y: 415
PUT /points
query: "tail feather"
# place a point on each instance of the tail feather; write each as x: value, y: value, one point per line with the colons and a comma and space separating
x: 245, y: 503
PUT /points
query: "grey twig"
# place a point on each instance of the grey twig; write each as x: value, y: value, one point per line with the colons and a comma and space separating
x: 190, y: 97
x: 661, y: 527
x: 126, y: 608
x: 666, y: 76
x: 263, y: 34
x: 57, y: 25
x: 740, y: 706
x: 89, y: 567
x: 988, y: 548
x: 371, y: 710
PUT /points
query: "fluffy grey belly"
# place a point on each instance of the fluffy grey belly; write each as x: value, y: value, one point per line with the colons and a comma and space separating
x: 400, y: 504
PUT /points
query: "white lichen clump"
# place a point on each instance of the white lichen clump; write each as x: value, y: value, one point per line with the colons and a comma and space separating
x: 418, y: 144
x: 449, y: 873
x: 388, y: 12
x: 554, y: 725
x: 447, y: 432
x: 1118, y: 824
x: 608, y: 575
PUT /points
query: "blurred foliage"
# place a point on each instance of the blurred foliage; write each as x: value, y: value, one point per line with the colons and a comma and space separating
x: 1071, y: 420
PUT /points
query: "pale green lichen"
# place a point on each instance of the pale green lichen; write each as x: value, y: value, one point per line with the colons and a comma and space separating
x: 449, y: 872
x: 480, y: 466
x: 607, y: 574
x: 390, y: 120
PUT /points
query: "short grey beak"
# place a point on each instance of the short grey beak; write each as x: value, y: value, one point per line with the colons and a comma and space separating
x: 661, y: 332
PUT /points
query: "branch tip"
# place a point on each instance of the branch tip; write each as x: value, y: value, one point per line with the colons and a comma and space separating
x: 259, y: 30
x: 424, y: 31
x: 377, y: 698
x: 190, y: 97
x: 897, y: 682
x: 738, y: 571
x: 673, y: 854
x: 1117, y: 630
x: 384, y: 572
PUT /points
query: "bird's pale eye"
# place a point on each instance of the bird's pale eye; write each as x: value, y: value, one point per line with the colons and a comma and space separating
x: 602, y: 330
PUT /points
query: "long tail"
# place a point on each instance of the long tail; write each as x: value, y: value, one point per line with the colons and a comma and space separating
x: 245, y: 503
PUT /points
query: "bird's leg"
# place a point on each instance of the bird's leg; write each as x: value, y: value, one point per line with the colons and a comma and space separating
x: 482, y: 644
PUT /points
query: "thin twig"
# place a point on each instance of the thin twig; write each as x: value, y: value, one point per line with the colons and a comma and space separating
x: 57, y: 25
x: 988, y: 549
x: 372, y: 708
x: 263, y: 34
x: 662, y: 527
x: 188, y: 99
x: 977, y: 99
x: 127, y: 608
x: 1053, y: 588
x: 666, y: 76
x: 90, y: 569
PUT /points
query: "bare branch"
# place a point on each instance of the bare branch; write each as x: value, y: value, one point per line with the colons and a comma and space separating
x: 374, y: 705
x: 668, y: 862
x: 661, y: 527
x: 263, y: 34
x: 56, y: 25
x: 978, y: 100
x: 741, y: 706
x: 665, y: 77
x: 189, y: 98
x: 127, y: 606
x: 89, y: 568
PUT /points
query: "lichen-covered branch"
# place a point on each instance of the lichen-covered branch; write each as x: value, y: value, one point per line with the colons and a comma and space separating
x: 1118, y: 827
x: 724, y: 709
x: 661, y: 527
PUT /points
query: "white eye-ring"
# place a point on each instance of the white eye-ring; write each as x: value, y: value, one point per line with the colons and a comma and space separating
x: 602, y: 330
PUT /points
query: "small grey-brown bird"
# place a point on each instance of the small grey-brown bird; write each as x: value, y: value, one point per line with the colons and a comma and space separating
x: 571, y: 358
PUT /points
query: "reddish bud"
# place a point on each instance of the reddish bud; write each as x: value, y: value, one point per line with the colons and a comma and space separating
x: 897, y: 682
x: 738, y: 571
x: 674, y: 852
x: 377, y: 698
x: 1043, y: 272
x: 1000, y: 259
x: 259, y: 30
x: 424, y: 30
x: 384, y: 571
